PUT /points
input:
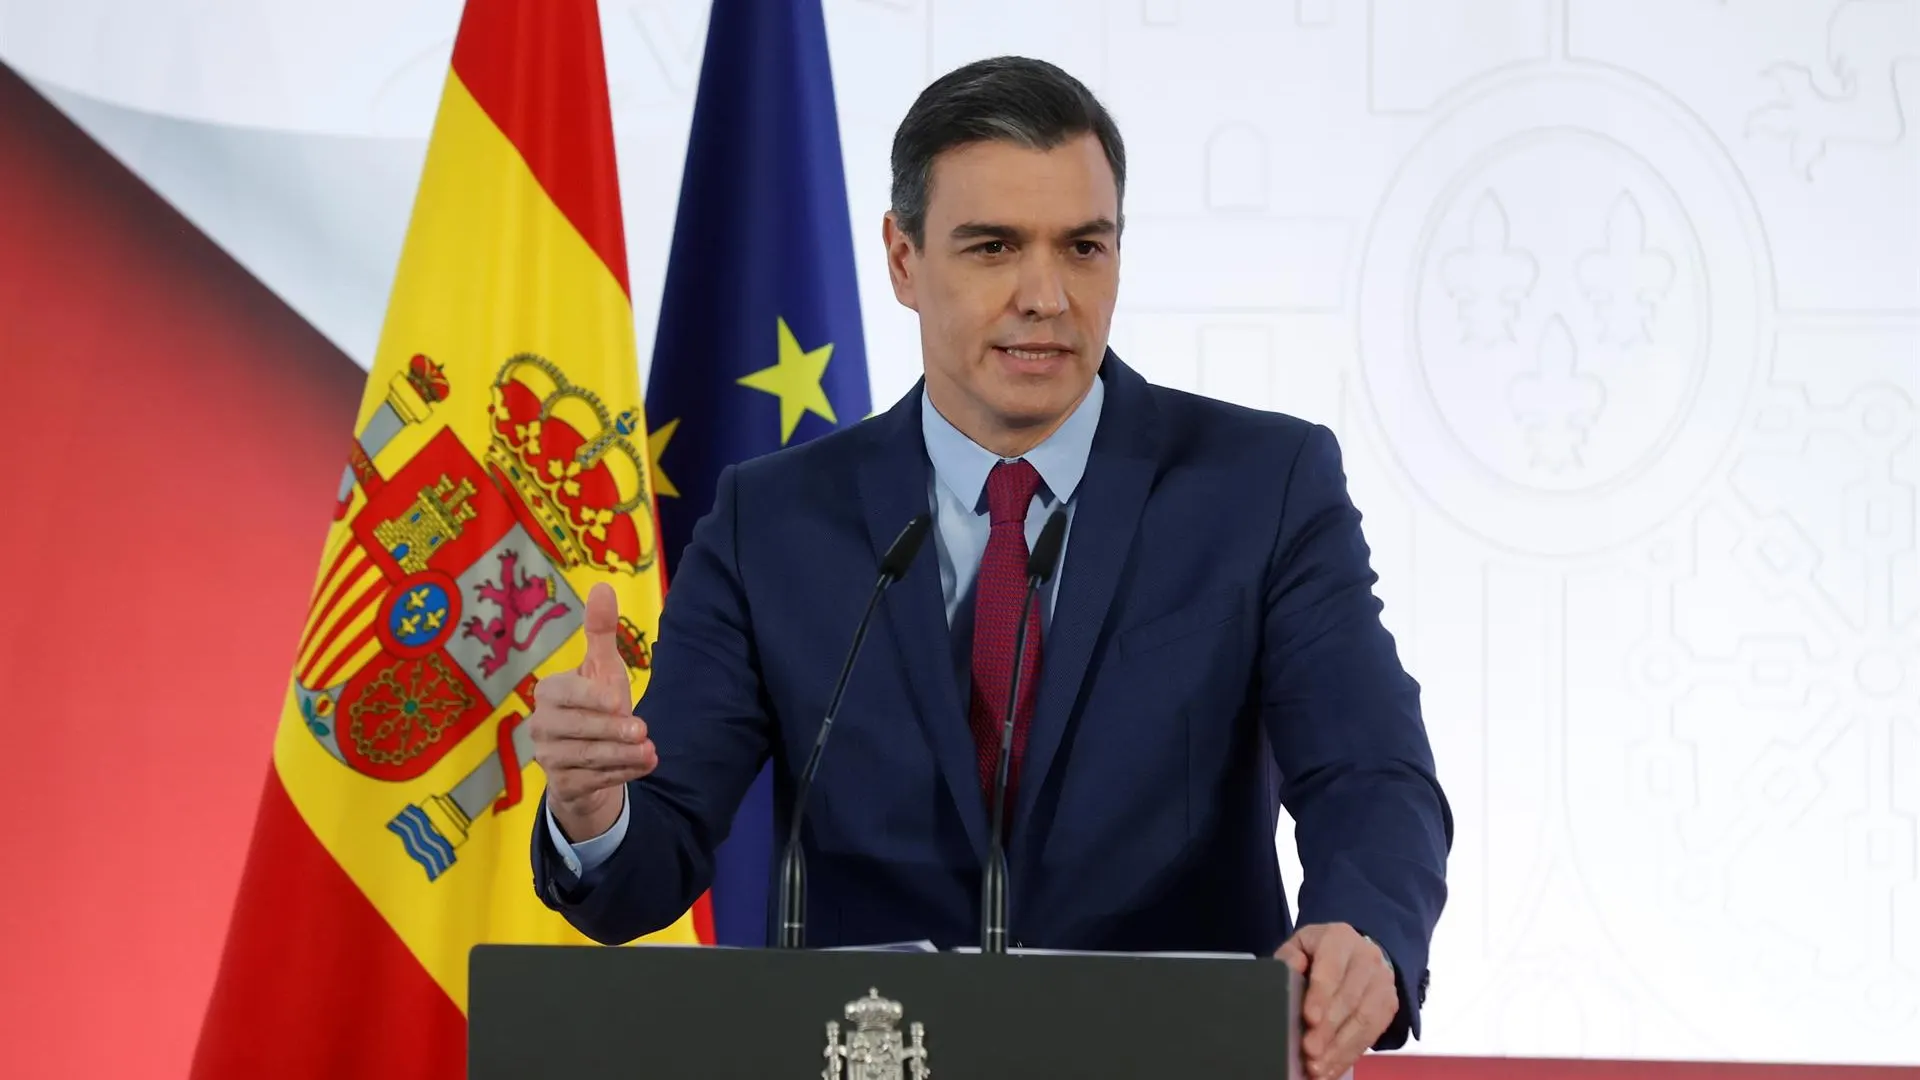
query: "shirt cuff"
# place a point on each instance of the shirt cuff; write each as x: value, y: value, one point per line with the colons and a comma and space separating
x: 582, y: 858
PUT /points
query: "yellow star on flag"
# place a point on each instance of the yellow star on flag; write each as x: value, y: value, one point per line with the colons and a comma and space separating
x: 795, y: 380
x: 656, y: 446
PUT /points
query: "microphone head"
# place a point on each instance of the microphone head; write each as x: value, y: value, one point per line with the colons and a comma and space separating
x: 1046, y: 550
x: 893, y: 566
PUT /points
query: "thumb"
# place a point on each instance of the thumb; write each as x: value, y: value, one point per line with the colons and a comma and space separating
x: 1299, y: 949
x: 603, y: 663
x: 1294, y: 955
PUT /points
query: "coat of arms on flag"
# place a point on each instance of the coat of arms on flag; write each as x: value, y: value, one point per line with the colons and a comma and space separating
x: 449, y: 590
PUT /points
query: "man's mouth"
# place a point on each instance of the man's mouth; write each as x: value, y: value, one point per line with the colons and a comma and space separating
x: 1033, y: 352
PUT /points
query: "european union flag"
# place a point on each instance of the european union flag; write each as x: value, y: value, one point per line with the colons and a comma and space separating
x: 759, y: 342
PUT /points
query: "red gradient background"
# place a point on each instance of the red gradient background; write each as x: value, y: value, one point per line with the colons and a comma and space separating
x: 172, y: 438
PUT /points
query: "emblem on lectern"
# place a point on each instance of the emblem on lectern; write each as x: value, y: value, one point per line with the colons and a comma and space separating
x: 874, y: 1049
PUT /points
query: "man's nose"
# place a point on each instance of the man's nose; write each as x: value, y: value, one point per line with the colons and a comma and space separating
x: 1042, y: 291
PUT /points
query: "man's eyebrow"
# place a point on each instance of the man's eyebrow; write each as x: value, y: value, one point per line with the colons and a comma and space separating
x: 975, y: 230
x: 1097, y: 227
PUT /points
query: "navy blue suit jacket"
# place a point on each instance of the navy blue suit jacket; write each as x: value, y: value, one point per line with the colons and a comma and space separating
x: 1215, y: 651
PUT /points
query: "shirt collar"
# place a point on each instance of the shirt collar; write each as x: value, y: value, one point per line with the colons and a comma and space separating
x: 962, y: 465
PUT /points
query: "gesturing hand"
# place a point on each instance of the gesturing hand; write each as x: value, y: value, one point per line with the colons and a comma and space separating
x: 1350, y: 997
x: 584, y: 732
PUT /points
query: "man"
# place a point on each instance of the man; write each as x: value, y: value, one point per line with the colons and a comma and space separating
x: 1210, y: 646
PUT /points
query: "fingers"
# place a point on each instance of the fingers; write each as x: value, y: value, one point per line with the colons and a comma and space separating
x: 569, y: 738
x: 572, y: 691
x: 596, y: 754
x: 1375, y: 1009
x: 562, y: 723
x: 570, y: 786
x: 1356, y: 978
x: 577, y: 769
x: 603, y: 663
x: 1329, y: 956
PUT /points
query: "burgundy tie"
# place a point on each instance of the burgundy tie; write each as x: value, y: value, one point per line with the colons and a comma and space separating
x: 1001, y: 586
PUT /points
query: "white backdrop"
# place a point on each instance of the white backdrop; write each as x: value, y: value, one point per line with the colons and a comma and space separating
x: 1615, y: 305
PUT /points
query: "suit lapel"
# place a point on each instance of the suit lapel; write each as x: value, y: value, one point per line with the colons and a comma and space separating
x: 1108, y: 504
x: 894, y: 487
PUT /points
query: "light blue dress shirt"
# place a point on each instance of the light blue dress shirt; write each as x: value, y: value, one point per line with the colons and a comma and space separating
x: 957, y: 493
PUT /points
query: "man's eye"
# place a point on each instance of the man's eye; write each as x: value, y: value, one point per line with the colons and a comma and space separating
x: 992, y: 247
x: 1087, y: 247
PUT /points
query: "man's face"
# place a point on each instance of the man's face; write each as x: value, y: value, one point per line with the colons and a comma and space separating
x: 1015, y: 285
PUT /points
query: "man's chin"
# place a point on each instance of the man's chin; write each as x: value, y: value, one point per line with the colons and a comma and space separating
x: 1029, y: 412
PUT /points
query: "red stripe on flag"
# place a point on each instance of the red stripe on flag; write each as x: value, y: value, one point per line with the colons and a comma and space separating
x: 703, y: 919
x: 341, y: 560
x: 314, y: 983
x: 538, y: 72
x: 325, y: 676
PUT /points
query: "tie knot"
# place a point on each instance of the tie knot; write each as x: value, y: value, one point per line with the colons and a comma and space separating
x: 1010, y: 488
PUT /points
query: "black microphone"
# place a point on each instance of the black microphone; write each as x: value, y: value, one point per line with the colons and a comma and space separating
x: 993, y: 884
x: 792, y: 918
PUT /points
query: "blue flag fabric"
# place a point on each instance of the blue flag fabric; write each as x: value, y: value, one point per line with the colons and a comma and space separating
x: 759, y: 343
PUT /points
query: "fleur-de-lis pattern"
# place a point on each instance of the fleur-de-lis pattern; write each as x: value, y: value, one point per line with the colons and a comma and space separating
x: 1556, y: 402
x: 1489, y: 278
x: 1626, y: 279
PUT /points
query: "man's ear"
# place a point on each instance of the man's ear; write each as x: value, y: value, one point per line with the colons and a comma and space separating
x: 903, y: 259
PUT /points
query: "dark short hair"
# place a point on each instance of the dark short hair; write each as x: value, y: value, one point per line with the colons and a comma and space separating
x: 1011, y: 98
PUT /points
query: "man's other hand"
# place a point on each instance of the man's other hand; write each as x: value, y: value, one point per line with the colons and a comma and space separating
x: 1350, y: 996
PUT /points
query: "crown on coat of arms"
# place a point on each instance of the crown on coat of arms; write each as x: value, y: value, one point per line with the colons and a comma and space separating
x: 572, y: 465
x: 873, y: 1012
x: 426, y: 378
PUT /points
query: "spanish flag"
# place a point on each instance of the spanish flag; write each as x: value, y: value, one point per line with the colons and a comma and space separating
x: 499, y: 468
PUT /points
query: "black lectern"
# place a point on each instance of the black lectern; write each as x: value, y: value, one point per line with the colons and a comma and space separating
x: 588, y: 1012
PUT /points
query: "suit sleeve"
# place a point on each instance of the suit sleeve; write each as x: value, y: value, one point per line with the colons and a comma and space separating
x: 1357, y: 773
x: 707, y: 717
